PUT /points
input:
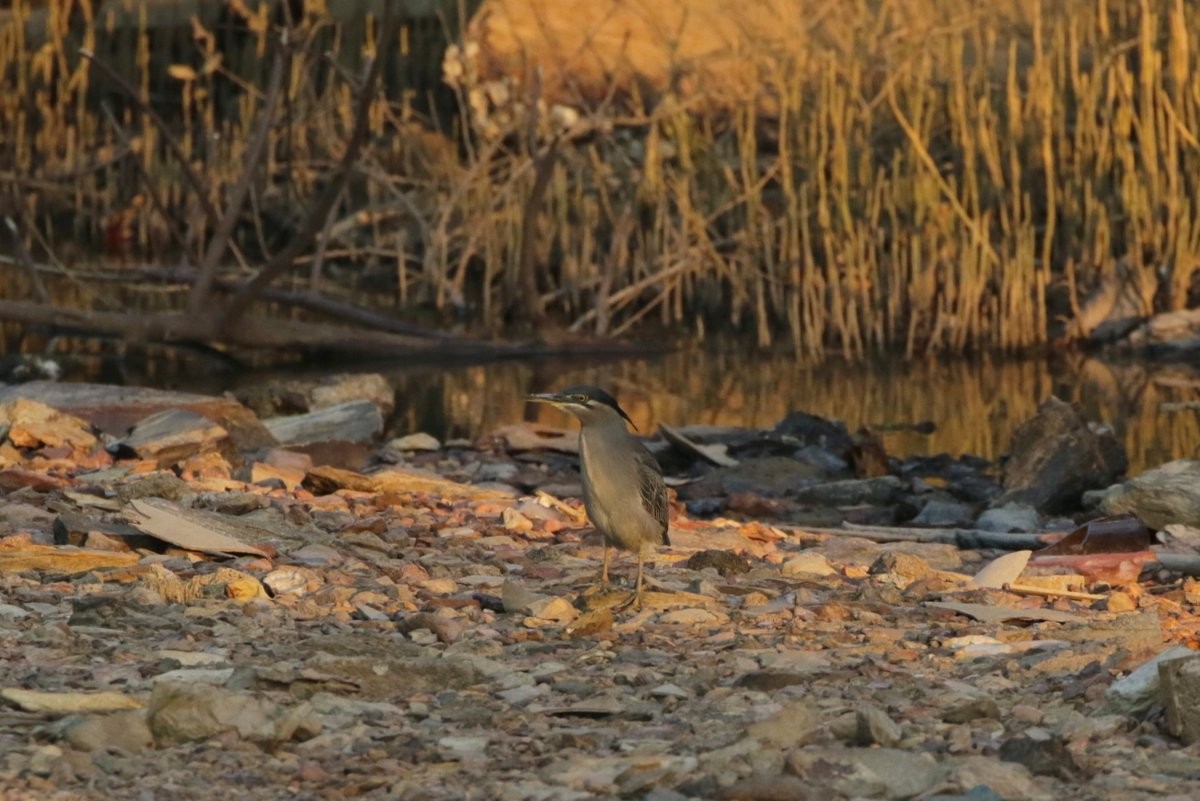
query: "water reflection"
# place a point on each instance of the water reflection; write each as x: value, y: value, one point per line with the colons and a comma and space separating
x: 975, y: 404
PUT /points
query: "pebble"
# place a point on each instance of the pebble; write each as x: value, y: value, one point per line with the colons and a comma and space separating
x: 419, y: 441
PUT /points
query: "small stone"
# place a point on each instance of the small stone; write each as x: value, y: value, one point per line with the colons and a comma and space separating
x: 980, y: 792
x: 669, y: 691
x: 439, y: 586
x: 44, y: 758
x: 1027, y: 714
x: 726, y: 563
x: 874, y: 727
x: 523, y: 694
x: 845, y: 727
x: 944, y: 514
x: 972, y: 709
x: 770, y: 788
x: 318, y: 555
x: 1119, y: 601
x: 807, y: 564
x: 465, y: 744
x: 793, y: 726
x: 1167, y: 494
x: 126, y: 731
x: 172, y: 435
x: 515, y: 521
x: 898, y: 564
x: 419, y: 441
x: 558, y: 610
x: 354, y: 421
x: 292, y: 581
x: 690, y: 617
x: 1011, y: 517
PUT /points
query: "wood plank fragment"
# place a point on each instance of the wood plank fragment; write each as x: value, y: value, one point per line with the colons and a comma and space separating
x: 23, y: 556
x: 183, y: 531
x: 40, y: 701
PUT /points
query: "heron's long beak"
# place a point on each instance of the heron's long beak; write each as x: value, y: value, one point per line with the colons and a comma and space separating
x: 545, y: 397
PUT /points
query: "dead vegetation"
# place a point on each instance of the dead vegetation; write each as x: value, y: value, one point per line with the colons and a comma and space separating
x: 910, y: 174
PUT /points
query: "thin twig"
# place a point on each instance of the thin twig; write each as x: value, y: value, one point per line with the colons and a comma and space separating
x: 1025, y: 589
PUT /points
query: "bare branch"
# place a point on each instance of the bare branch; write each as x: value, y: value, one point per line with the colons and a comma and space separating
x: 319, y: 212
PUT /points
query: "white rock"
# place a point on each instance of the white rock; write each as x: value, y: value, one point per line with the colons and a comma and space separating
x: 419, y: 441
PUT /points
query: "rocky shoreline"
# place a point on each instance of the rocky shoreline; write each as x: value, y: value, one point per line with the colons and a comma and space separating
x: 293, y: 606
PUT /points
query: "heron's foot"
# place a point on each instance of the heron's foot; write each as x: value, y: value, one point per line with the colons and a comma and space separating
x: 632, y: 603
x: 598, y: 588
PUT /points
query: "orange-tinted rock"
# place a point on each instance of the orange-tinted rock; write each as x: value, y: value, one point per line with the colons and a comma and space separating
x: 115, y: 410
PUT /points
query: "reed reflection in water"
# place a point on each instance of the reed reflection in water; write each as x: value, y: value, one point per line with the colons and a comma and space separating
x: 974, y: 404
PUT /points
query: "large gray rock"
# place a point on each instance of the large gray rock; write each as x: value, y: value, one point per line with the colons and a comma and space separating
x: 942, y: 513
x: 878, y: 491
x: 1056, y: 456
x: 114, y: 410
x: 357, y: 421
x: 1009, y: 780
x: 1137, y: 692
x: 1159, y: 497
x: 1180, y: 683
x: 867, y: 772
x: 299, y: 395
x: 186, y: 712
x: 172, y: 435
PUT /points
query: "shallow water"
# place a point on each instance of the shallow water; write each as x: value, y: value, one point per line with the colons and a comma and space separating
x: 974, y: 404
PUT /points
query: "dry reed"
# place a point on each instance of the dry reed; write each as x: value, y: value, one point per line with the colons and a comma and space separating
x: 929, y: 172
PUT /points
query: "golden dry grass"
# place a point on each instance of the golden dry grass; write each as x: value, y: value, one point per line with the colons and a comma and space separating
x: 928, y: 172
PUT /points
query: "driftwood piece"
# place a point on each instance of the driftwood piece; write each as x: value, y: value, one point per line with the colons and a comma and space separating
x: 965, y: 538
x: 18, y: 557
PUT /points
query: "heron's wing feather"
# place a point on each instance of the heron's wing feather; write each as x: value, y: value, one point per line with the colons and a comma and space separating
x: 653, y: 489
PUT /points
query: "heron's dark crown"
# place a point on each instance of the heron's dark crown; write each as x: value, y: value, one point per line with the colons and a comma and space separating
x: 589, y: 397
